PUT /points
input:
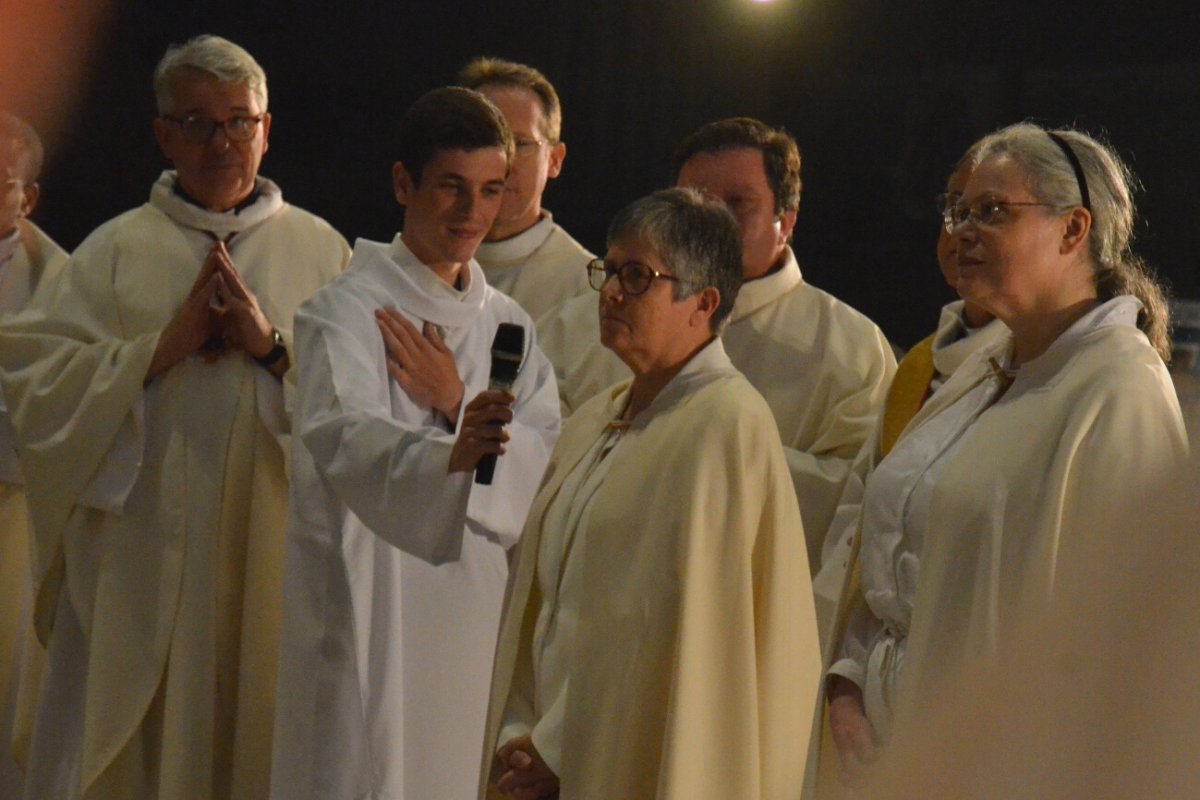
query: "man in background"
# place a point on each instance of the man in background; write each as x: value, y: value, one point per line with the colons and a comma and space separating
x: 526, y: 254
x: 29, y: 259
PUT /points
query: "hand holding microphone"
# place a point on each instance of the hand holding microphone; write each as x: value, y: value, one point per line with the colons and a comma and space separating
x: 482, y: 435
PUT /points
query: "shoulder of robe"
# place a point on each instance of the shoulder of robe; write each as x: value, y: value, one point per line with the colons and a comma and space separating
x: 838, y: 320
x: 319, y: 225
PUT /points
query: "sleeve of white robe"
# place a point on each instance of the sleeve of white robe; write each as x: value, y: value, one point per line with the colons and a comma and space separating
x: 393, y: 473
x: 72, y: 385
x: 862, y: 628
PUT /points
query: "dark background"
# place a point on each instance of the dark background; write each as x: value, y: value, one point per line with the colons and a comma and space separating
x: 882, y: 95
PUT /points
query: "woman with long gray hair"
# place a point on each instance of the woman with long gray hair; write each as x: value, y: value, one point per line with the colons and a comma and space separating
x: 1040, y: 443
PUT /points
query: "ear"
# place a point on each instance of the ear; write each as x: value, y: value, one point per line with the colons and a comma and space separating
x: 1075, y: 232
x: 29, y: 198
x: 558, y: 154
x: 707, y: 302
x: 787, y: 221
x: 401, y: 183
x: 266, y: 129
x: 162, y: 135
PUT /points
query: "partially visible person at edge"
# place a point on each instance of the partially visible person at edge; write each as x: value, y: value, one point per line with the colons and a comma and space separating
x: 658, y: 638
x: 997, y: 491
x: 963, y: 328
x: 148, y: 402
x: 30, y: 262
x: 397, y: 558
x: 526, y: 254
x: 822, y: 367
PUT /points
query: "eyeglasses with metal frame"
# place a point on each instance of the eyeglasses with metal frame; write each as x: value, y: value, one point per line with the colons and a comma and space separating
x: 985, y: 213
x: 199, y: 129
x: 633, y: 277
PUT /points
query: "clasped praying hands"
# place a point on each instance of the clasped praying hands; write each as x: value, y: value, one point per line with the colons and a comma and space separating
x: 219, y: 307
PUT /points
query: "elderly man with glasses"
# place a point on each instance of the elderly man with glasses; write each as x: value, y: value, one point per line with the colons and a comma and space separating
x: 147, y: 398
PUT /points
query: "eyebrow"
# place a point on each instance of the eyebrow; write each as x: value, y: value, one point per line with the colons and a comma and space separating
x: 196, y: 112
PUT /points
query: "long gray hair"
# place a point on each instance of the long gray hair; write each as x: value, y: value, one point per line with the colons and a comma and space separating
x: 1110, y: 186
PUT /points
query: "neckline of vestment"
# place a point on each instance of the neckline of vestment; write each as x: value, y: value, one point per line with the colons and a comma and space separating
x: 415, y: 289
x: 515, y: 250
x: 221, y: 224
x: 765, y: 290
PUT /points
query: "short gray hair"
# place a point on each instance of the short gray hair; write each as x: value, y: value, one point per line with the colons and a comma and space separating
x: 1051, y: 178
x: 695, y: 235
x: 214, y: 56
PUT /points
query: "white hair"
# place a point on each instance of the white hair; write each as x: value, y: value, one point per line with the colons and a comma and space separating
x: 215, y: 56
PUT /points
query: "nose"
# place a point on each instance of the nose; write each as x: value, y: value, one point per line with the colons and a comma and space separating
x: 465, y: 202
x: 610, y: 290
x: 219, y: 140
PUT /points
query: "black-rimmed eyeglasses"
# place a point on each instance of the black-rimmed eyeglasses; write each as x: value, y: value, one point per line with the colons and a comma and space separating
x: 633, y: 277
x: 199, y: 130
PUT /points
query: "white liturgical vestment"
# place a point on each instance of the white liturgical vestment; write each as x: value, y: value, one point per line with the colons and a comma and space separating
x: 395, y: 567
x: 1020, y: 506
x: 949, y: 347
x: 159, y: 508
x: 29, y: 261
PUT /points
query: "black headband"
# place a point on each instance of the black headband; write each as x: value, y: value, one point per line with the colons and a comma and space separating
x: 1075, y: 165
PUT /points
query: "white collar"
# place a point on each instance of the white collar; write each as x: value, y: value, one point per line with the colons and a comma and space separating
x: 757, y: 293
x: 517, y: 249
x: 955, y: 341
x: 415, y: 288
x: 221, y: 224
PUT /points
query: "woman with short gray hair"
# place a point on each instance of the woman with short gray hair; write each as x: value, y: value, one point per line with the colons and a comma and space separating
x: 659, y: 639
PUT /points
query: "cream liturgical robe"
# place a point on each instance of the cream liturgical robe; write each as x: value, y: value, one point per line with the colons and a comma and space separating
x: 693, y: 664
x: 1099, y: 426
x: 541, y: 268
x: 822, y: 367
x: 1002, y: 497
x: 29, y: 261
x: 159, y: 508
x: 395, y: 567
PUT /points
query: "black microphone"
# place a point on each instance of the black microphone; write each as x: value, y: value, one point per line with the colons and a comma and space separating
x: 508, y: 350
